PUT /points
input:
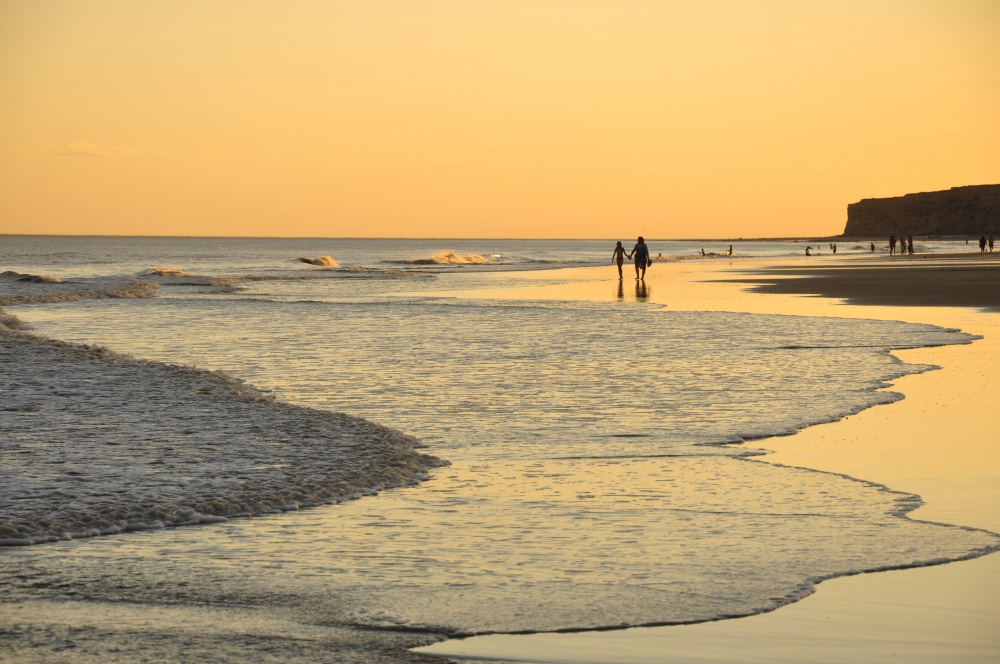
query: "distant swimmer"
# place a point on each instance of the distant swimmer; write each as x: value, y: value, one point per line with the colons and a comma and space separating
x: 640, y: 252
x: 873, y: 247
x: 730, y: 252
x: 703, y: 252
x: 619, y: 258
x: 807, y: 251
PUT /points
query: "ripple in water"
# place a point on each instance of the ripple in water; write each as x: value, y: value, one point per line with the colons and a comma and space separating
x: 591, y: 485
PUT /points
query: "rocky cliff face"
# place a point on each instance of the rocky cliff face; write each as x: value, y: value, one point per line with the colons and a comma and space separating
x: 965, y: 211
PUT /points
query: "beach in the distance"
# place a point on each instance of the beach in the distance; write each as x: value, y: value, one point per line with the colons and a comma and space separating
x: 940, y: 442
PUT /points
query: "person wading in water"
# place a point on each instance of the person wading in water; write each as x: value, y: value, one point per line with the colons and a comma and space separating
x: 619, y: 257
x: 640, y: 252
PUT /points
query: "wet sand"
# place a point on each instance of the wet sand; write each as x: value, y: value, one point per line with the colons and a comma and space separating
x: 940, y: 442
x: 951, y: 280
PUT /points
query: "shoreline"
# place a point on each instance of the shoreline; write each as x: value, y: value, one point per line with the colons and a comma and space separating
x: 700, y: 285
x: 936, y: 280
x: 929, y: 614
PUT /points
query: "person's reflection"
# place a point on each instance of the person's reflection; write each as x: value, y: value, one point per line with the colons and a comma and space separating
x: 641, y: 291
x: 621, y: 290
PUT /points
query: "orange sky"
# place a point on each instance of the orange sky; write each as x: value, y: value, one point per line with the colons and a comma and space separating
x: 459, y: 118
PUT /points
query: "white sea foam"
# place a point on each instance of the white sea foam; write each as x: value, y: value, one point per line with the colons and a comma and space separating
x: 37, y: 292
x: 168, y: 272
x: 11, y: 322
x: 450, y: 258
x: 324, y: 261
x: 82, y: 455
x: 590, y: 486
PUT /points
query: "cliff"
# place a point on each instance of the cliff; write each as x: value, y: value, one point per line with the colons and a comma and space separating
x: 964, y: 211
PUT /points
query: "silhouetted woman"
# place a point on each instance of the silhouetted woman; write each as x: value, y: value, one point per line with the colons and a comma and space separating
x: 640, y: 252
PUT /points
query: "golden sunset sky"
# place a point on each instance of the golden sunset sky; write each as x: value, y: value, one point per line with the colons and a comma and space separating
x: 507, y: 118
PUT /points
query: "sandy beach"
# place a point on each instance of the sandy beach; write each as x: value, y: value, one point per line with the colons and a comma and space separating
x: 938, y: 443
x: 316, y: 344
x: 942, y: 280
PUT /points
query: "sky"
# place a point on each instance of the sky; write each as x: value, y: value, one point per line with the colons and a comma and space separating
x: 506, y: 118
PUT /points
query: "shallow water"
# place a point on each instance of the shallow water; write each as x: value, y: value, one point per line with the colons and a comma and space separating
x: 529, y: 379
x: 591, y: 482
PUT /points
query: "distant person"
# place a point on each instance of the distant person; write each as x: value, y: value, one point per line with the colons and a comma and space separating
x: 807, y: 251
x: 702, y: 252
x: 982, y: 244
x: 991, y: 242
x: 640, y: 253
x: 873, y: 247
x: 730, y: 252
x: 892, y: 244
x: 619, y: 257
x: 834, y: 247
x: 909, y: 244
x: 902, y: 246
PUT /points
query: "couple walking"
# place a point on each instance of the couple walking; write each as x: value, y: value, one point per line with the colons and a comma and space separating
x: 641, y: 254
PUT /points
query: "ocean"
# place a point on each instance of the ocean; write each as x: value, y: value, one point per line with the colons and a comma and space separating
x: 211, y: 447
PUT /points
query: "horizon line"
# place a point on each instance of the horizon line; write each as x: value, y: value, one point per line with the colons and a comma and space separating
x: 483, y: 238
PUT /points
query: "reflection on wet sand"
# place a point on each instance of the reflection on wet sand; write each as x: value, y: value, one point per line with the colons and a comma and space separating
x: 642, y: 291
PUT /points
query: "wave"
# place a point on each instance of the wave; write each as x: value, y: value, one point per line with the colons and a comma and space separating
x: 235, y: 284
x: 210, y: 284
x: 324, y: 261
x: 10, y: 275
x: 168, y: 272
x: 709, y: 255
x: 10, y: 322
x: 69, y: 291
x: 217, y: 448
x: 175, y: 276
x: 449, y: 258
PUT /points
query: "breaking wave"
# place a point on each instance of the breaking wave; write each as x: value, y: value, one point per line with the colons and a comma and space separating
x: 10, y: 275
x: 11, y: 322
x: 89, y: 459
x: 449, y: 258
x: 168, y: 272
x: 324, y: 261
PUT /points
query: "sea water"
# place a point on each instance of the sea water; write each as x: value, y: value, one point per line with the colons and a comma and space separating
x: 599, y: 472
